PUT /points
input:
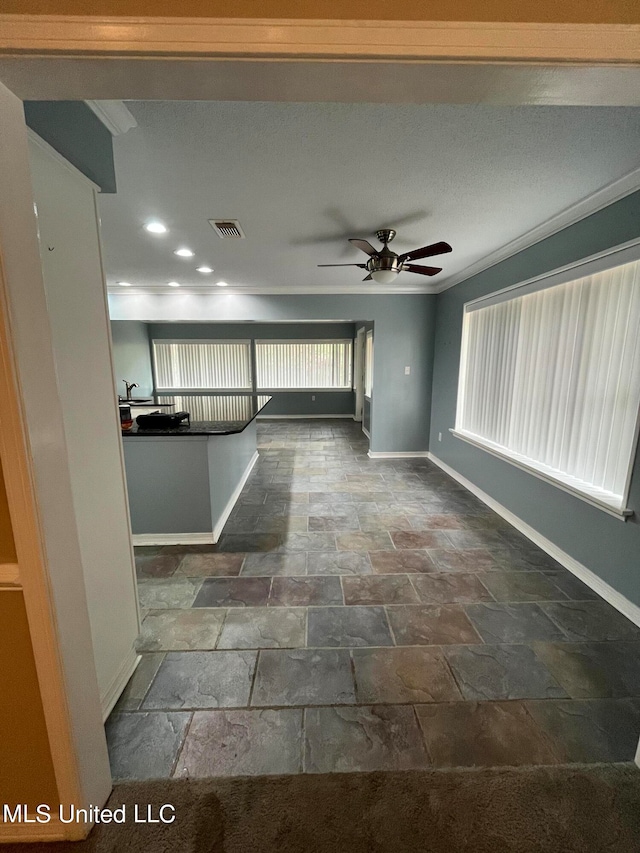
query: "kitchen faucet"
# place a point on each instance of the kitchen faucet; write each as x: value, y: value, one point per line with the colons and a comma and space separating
x: 129, y: 386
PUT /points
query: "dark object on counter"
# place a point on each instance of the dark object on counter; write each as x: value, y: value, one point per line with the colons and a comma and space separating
x: 126, y: 421
x: 163, y: 420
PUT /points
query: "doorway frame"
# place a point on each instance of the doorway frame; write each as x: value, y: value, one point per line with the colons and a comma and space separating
x: 358, y: 375
x: 46, y: 52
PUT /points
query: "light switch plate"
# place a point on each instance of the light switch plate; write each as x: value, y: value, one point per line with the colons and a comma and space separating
x: 407, y: 370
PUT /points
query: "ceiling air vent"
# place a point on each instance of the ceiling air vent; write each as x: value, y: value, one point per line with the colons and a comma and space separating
x: 226, y: 228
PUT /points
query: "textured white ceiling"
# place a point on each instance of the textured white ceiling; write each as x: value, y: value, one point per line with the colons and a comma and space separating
x: 301, y: 178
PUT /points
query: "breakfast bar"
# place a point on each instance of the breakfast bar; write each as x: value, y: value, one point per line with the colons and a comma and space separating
x: 184, y: 480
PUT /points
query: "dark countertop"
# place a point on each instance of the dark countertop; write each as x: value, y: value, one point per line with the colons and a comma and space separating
x: 152, y: 401
x: 210, y: 414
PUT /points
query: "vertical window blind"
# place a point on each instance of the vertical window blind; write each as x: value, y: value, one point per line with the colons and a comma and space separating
x: 551, y: 379
x: 213, y: 408
x: 204, y: 365
x: 368, y: 365
x: 303, y: 364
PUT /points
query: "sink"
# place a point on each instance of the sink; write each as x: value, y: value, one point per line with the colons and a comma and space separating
x: 138, y: 401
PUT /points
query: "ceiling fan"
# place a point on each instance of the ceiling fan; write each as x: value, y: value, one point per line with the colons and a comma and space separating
x: 384, y: 265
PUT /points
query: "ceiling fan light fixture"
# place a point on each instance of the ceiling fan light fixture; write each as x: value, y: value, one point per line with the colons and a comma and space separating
x: 384, y: 276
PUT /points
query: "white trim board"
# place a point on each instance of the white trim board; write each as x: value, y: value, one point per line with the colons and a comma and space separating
x: 402, y: 454
x: 366, y: 431
x: 591, y: 579
x: 598, y: 200
x: 113, y: 691
x: 226, y: 512
x: 172, y: 539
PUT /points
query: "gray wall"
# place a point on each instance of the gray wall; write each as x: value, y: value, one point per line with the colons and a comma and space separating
x: 168, y: 483
x: 607, y: 546
x: 255, y: 331
x: 404, y: 328
x: 229, y: 457
x: 77, y: 133
x: 183, y: 484
x: 131, y: 356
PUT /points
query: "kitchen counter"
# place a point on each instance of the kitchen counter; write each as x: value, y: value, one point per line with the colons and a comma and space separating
x: 210, y: 414
x: 151, y: 402
x: 181, y: 492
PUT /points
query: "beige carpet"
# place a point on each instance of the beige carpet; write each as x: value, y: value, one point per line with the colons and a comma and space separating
x: 528, y: 810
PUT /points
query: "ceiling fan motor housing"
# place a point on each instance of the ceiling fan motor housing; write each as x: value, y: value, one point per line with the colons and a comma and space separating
x: 384, y: 261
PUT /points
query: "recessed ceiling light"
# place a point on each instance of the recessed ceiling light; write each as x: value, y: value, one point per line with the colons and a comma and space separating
x: 205, y: 269
x: 184, y: 253
x: 222, y: 284
x: 173, y: 284
x: 124, y: 284
x: 155, y: 227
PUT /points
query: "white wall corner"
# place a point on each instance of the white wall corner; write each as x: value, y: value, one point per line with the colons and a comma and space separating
x: 591, y: 579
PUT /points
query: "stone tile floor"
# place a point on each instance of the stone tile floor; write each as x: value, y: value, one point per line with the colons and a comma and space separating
x: 364, y: 614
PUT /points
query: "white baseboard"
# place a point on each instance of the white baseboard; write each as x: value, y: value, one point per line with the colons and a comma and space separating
x: 113, y: 691
x: 55, y: 830
x: 366, y: 432
x: 298, y: 417
x: 591, y: 579
x: 226, y: 512
x: 173, y: 538
x: 403, y: 454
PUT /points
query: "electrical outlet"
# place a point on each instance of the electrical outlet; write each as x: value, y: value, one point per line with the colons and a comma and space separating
x: 407, y: 370
x: 313, y: 398
x: 439, y: 436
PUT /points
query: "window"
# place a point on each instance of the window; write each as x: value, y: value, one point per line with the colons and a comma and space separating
x: 202, y: 365
x: 551, y: 381
x: 303, y: 364
x: 220, y: 408
x: 368, y: 365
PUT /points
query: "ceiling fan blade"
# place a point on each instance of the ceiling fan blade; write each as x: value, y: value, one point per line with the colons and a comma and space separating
x: 426, y: 252
x: 362, y: 266
x: 368, y: 277
x: 364, y: 245
x: 421, y: 270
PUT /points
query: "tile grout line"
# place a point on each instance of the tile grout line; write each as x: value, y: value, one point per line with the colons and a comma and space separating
x: 254, y: 678
x: 180, y: 749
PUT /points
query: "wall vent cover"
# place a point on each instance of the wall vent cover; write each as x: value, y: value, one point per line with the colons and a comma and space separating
x: 226, y: 228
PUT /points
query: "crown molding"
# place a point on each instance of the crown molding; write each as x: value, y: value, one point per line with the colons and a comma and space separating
x: 598, y: 200
x: 310, y: 290
x: 114, y: 115
x: 295, y: 38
